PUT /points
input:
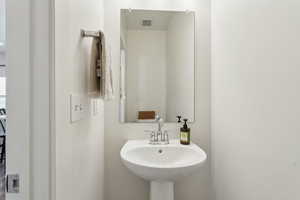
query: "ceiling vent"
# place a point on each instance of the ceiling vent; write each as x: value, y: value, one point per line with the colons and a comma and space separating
x: 147, y: 22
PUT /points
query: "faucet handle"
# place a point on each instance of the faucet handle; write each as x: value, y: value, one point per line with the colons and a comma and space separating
x: 166, y: 137
x: 151, y: 134
x: 149, y: 131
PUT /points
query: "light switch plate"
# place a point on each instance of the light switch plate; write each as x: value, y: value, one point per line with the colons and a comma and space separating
x: 12, y: 183
x: 77, y: 107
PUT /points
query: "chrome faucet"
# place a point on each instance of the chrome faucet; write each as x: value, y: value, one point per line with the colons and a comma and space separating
x: 159, y: 137
x: 160, y: 123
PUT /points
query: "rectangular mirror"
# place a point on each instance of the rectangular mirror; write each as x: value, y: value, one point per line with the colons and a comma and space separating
x: 157, y: 65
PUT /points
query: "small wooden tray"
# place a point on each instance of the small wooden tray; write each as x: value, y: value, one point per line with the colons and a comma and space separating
x: 146, y: 115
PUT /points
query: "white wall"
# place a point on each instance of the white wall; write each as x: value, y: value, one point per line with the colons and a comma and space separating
x: 79, y: 146
x: 2, y: 32
x: 255, y: 99
x: 146, y: 72
x: 2, y: 21
x: 180, y: 67
x: 2, y: 60
x: 119, y: 182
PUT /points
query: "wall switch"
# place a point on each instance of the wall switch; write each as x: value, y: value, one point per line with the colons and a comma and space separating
x: 77, y: 107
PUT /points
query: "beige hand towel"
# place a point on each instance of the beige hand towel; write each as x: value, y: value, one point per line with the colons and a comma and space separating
x: 94, y: 78
x: 100, y: 82
x: 107, y: 91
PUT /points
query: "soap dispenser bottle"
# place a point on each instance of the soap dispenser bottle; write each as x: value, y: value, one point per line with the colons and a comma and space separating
x: 185, y: 134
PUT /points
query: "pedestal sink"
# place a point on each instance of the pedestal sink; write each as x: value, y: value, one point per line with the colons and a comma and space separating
x: 162, y: 164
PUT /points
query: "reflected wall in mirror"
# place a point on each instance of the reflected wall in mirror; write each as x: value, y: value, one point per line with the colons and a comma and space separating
x: 157, y: 65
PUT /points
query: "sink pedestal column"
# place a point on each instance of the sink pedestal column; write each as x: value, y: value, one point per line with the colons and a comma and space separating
x: 161, y: 190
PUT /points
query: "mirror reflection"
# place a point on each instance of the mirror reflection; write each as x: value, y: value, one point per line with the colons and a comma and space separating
x: 157, y: 65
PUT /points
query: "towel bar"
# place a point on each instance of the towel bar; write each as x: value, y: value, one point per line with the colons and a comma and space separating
x: 90, y: 33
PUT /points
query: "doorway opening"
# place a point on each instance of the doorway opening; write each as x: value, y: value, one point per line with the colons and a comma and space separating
x: 2, y: 100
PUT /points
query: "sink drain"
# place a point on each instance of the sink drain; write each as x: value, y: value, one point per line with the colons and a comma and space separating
x: 160, y: 151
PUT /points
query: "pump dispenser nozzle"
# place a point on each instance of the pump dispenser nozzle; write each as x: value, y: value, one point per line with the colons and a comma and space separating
x: 185, y: 123
x: 179, y: 119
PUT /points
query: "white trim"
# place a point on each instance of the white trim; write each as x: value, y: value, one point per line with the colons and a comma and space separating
x: 43, y: 137
x: 52, y: 103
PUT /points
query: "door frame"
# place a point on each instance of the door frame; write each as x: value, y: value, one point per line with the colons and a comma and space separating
x: 30, y: 44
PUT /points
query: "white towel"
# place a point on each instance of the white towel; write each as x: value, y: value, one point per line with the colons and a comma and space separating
x: 100, y: 76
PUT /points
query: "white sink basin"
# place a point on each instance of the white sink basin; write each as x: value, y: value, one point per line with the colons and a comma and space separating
x: 162, y: 164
